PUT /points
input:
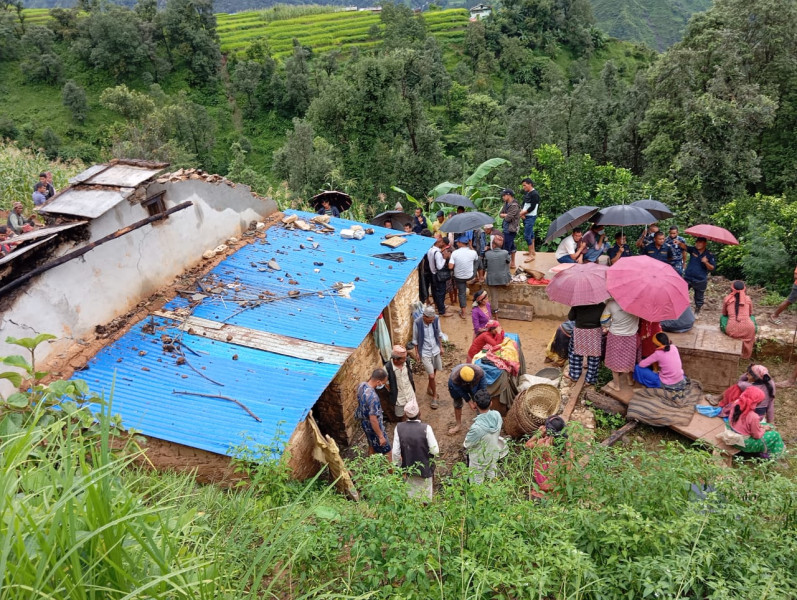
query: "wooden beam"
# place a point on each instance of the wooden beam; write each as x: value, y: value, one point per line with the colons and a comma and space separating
x: 606, y: 403
x: 618, y: 435
x: 89, y: 247
x: 575, y: 392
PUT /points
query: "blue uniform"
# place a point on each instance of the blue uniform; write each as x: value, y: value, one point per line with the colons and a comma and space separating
x: 664, y: 254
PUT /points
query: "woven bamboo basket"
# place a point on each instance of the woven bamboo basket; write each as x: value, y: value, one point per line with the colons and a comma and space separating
x: 530, y: 409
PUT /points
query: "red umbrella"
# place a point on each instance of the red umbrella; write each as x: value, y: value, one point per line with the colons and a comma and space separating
x: 648, y: 288
x: 579, y: 285
x: 713, y: 233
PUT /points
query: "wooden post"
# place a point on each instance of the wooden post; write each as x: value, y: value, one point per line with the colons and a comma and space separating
x: 606, y: 403
x: 88, y: 247
x: 617, y: 435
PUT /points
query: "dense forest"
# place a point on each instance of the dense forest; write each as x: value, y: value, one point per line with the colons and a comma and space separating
x: 706, y: 126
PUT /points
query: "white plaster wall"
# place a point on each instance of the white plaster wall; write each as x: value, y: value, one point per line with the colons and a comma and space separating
x: 70, y: 300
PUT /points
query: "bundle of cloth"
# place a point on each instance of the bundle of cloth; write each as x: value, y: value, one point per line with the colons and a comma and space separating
x: 502, y: 365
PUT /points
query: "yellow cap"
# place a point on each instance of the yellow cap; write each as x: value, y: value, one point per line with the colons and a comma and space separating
x: 466, y: 374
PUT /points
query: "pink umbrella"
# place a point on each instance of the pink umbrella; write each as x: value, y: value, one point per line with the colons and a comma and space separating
x: 713, y: 233
x: 648, y: 288
x: 579, y: 285
x: 562, y: 267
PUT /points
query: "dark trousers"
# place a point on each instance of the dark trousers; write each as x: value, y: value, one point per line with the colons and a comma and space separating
x: 462, y: 289
x: 700, y: 291
x: 439, y: 294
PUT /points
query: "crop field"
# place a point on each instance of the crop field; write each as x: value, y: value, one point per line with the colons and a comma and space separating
x: 324, y: 31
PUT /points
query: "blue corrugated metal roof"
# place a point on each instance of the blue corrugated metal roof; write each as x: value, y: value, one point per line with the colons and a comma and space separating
x: 279, y: 389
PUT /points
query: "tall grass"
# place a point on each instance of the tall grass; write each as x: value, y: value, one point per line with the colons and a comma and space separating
x: 20, y: 168
x: 281, y: 12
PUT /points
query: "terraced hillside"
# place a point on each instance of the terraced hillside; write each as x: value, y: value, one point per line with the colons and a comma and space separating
x: 326, y: 31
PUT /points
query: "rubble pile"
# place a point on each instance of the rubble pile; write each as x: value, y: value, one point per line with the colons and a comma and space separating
x: 184, y: 174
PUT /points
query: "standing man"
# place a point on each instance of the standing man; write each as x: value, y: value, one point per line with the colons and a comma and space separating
x: 496, y: 265
x: 619, y: 250
x: 463, y: 261
x: 440, y: 274
x: 47, y: 179
x: 399, y: 380
x: 464, y: 382
x: 531, y: 203
x: 701, y: 263
x: 571, y: 249
x: 647, y: 235
x: 483, y: 442
x: 674, y: 241
x: 595, y: 242
x: 481, y: 242
x: 414, y: 447
x: 427, y: 341
x: 786, y: 303
x: 658, y: 249
x: 510, y: 213
x: 369, y: 412
x: 39, y: 194
x: 419, y: 221
x: 440, y: 218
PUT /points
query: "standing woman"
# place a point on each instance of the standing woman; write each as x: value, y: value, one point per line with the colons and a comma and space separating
x: 738, y: 307
x: 587, y: 341
x: 621, y: 343
x: 481, y: 313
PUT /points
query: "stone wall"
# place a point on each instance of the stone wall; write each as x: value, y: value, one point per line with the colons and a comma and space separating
x: 399, y: 313
x: 524, y: 294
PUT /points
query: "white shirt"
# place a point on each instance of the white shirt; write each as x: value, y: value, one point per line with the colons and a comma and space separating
x: 435, y: 258
x: 462, y: 260
x: 404, y: 390
x: 431, y: 346
x: 434, y: 449
x: 623, y: 323
x: 532, y: 213
x: 566, y: 247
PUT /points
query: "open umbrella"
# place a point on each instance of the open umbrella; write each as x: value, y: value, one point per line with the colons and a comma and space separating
x: 455, y: 200
x: 623, y: 215
x: 397, y: 219
x: 579, y: 285
x: 465, y: 222
x: 654, y: 207
x: 713, y: 233
x: 648, y: 288
x: 569, y: 221
x: 336, y: 198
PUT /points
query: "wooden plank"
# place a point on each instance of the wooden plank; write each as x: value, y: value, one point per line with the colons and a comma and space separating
x: 17, y: 253
x: 623, y: 395
x: 394, y: 242
x: 618, y: 435
x: 606, y: 403
x: 575, y: 392
x: 516, y: 312
x: 261, y: 340
x: 43, y: 232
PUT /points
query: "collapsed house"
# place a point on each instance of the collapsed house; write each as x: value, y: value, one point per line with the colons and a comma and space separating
x: 263, y: 352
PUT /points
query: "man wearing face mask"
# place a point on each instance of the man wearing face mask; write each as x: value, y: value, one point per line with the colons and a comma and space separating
x: 595, y: 239
x: 369, y: 412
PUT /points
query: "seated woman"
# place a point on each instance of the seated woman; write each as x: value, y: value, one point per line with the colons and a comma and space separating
x: 481, y: 313
x: 553, y: 439
x: 738, y: 307
x: 492, y: 336
x: 756, y: 376
x: 759, y: 438
x: 671, y: 372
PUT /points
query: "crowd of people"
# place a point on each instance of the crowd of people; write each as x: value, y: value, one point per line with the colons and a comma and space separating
x: 17, y: 222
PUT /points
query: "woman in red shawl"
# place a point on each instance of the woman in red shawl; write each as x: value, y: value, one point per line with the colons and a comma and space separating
x: 738, y: 307
x: 743, y: 419
x: 493, y: 336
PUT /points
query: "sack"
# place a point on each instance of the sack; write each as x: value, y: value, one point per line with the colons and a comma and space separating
x: 730, y: 437
x: 443, y: 275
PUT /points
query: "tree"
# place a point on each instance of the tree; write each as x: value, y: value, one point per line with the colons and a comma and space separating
x: 245, y: 80
x: 298, y: 93
x: 305, y: 160
x: 402, y: 27
x: 74, y: 98
x: 132, y: 105
x: 188, y: 28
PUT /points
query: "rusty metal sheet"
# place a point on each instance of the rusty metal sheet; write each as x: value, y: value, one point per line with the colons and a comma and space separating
x: 44, y: 232
x: 17, y: 253
x: 261, y: 340
x: 123, y: 176
x: 86, y: 203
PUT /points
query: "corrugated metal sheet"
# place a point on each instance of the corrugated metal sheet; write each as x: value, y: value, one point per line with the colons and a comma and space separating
x: 277, y: 388
x: 45, y: 231
x: 88, y: 173
x: 19, y: 252
x: 123, y: 176
x: 88, y: 203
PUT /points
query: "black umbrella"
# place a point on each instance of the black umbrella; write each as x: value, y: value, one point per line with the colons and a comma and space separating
x: 397, y: 219
x: 455, y: 200
x: 569, y: 221
x: 654, y: 207
x: 623, y: 215
x: 335, y: 198
x: 465, y: 222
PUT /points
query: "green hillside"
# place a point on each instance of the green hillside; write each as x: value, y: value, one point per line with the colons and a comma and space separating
x: 657, y: 23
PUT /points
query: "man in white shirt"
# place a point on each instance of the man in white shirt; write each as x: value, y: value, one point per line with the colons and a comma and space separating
x: 399, y: 380
x: 428, y: 343
x: 438, y: 267
x: 463, y: 261
x: 571, y: 249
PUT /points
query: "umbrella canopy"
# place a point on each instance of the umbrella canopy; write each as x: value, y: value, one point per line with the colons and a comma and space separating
x: 579, y: 285
x: 465, y: 222
x: 654, y: 207
x: 624, y: 215
x: 397, y: 219
x: 455, y: 200
x: 336, y: 198
x: 713, y: 233
x: 569, y: 221
x: 648, y: 288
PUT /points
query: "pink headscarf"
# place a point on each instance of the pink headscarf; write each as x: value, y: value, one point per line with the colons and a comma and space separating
x: 759, y: 371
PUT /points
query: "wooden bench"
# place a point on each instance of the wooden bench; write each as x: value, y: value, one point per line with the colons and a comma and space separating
x: 699, y: 428
x: 709, y: 356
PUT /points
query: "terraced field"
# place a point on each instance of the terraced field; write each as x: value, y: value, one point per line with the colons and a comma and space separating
x: 326, y: 31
